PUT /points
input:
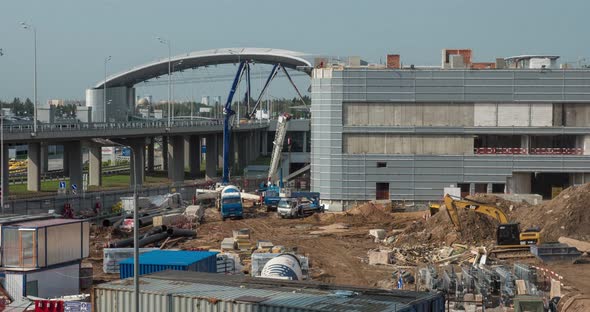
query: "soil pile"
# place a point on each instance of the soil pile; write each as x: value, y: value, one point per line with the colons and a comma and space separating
x: 476, y: 228
x: 507, y: 206
x: 565, y: 215
x: 363, y: 214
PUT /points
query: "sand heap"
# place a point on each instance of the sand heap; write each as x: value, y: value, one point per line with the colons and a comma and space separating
x: 565, y: 215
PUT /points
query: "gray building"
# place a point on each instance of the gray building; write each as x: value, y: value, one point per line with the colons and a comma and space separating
x: 406, y: 133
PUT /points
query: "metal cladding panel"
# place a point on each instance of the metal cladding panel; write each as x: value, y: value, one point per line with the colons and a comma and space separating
x: 10, y: 247
x: 41, y: 259
x: 64, y: 243
x: 14, y: 285
x: 126, y: 269
x: 109, y: 300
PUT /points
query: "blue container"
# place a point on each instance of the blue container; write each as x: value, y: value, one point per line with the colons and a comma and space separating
x: 161, y: 260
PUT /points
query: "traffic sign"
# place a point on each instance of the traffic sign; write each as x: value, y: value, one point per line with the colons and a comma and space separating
x: 62, y: 184
x: 74, y: 187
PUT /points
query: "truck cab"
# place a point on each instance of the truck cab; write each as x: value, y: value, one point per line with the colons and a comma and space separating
x: 299, y: 205
x: 231, y: 203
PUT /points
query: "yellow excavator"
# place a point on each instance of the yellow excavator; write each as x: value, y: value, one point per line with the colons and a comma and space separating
x: 507, y: 234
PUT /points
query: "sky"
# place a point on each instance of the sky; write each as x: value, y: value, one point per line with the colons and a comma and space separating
x: 75, y: 36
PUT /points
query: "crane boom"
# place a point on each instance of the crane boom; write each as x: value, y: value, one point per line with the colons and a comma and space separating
x: 278, y: 145
x: 226, y: 123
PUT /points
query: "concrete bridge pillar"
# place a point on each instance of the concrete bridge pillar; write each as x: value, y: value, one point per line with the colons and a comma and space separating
x: 235, y: 153
x: 44, y: 157
x: 220, y: 151
x: 176, y: 158
x: 73, y: 150
x: 65, y: 162
x: 211, y: 144
x: 264, y: 143
x: 137, y: 164
x: 34, y: 167
x: 192, y: 154
x: 95, y: 165
x: 5, y: 175
x: 150, y: 155
x: 164, y: 153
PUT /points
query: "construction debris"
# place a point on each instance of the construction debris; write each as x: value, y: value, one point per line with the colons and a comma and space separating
x: 582, y: 246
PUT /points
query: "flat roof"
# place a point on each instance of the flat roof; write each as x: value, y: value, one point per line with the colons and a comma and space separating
x: 46, y: 223
x: 170, y: 257
x: 295, y: 295
x: 530, y: 56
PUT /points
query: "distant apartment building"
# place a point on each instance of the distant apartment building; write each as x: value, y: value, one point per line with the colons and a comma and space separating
x: 516, y: 125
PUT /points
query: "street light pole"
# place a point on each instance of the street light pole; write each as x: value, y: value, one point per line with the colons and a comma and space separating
x: 173, y: 66
x: 135, y: 232
x: 2, y: 155
x: 167, y: 42
x: 104, y: 96
x: 34, y: 29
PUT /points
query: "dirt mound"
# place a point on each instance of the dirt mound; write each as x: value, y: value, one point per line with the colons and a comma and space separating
x: 565, y: 215
x: 476, y: 229
x: 507, y: 206
x: 359, y: 215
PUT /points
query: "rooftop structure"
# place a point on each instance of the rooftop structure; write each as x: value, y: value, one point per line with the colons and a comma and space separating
x: 186, y: 291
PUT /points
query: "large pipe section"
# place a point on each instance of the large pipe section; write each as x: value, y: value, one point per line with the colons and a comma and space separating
x: 285, y: 266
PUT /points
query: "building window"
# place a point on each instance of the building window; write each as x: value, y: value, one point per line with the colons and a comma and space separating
x: 382, y: 191
x: 381, y: 164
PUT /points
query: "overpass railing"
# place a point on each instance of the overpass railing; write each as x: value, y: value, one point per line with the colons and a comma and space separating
x: 114, y: 125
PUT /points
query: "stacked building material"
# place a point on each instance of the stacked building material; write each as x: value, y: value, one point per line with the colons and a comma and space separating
x: 242, y: 238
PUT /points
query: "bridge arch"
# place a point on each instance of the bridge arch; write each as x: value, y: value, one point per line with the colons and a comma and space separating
x: 121, y: 93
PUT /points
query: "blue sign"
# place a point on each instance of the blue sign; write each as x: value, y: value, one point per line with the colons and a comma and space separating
x: 74, y: 187
x: 203, y: 149
x: 62, y: 184
x: 126, y: 151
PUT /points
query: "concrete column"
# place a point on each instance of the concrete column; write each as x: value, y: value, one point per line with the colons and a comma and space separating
x: 521, y: 183
x: 137, y: 168
x: 44, y: 157
x: 5, y: 173
x: 235, y: 152
x: 74, y: 151
x: 211, y: 156
x: 586, y: 145
x: 186, y: 149
x: 525, y: 142
x: 34, y: 167
x: 150, y: 155
x: 264, y: 143
x: 193, y: 153
x: 65, y: 162
x: 219, y: 151
x: 95, y: 165
x: 305, y: 141
x: 489, y: 188
x: 165, y: 153
x: 176, y: 158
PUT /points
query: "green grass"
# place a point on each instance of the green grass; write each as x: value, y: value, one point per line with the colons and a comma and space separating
x: 108, y: 182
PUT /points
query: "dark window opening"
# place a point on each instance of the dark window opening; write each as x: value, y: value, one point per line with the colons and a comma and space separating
x: 546, y: 183
x: 381, y: 164
x: 464, y: 189
x: 382, y: 191
x: 498, y: 188
x: 481, y: 187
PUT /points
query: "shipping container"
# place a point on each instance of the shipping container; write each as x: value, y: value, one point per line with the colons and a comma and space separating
x: 51, y: 282
x: 43, y: 243
x: 112, y: 257
x: 161, y: 260
x: 172, y: 291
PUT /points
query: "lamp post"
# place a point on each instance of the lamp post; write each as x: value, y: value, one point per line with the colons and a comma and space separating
x: 2, y: 155
x: 173, y: 66
x: 34, y: 30
x: 104, y: 96
x: 167, y: 42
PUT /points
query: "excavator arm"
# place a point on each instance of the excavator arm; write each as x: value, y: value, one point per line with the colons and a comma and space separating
x: 453, y: 205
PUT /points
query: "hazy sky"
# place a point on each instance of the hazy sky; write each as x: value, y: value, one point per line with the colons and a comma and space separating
x: 74, y: 36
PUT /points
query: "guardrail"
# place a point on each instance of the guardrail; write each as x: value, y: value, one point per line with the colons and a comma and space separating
x: 529, y: 151
x: 115, y: 125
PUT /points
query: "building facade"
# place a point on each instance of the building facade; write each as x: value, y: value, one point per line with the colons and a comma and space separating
x: 406, y: 133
